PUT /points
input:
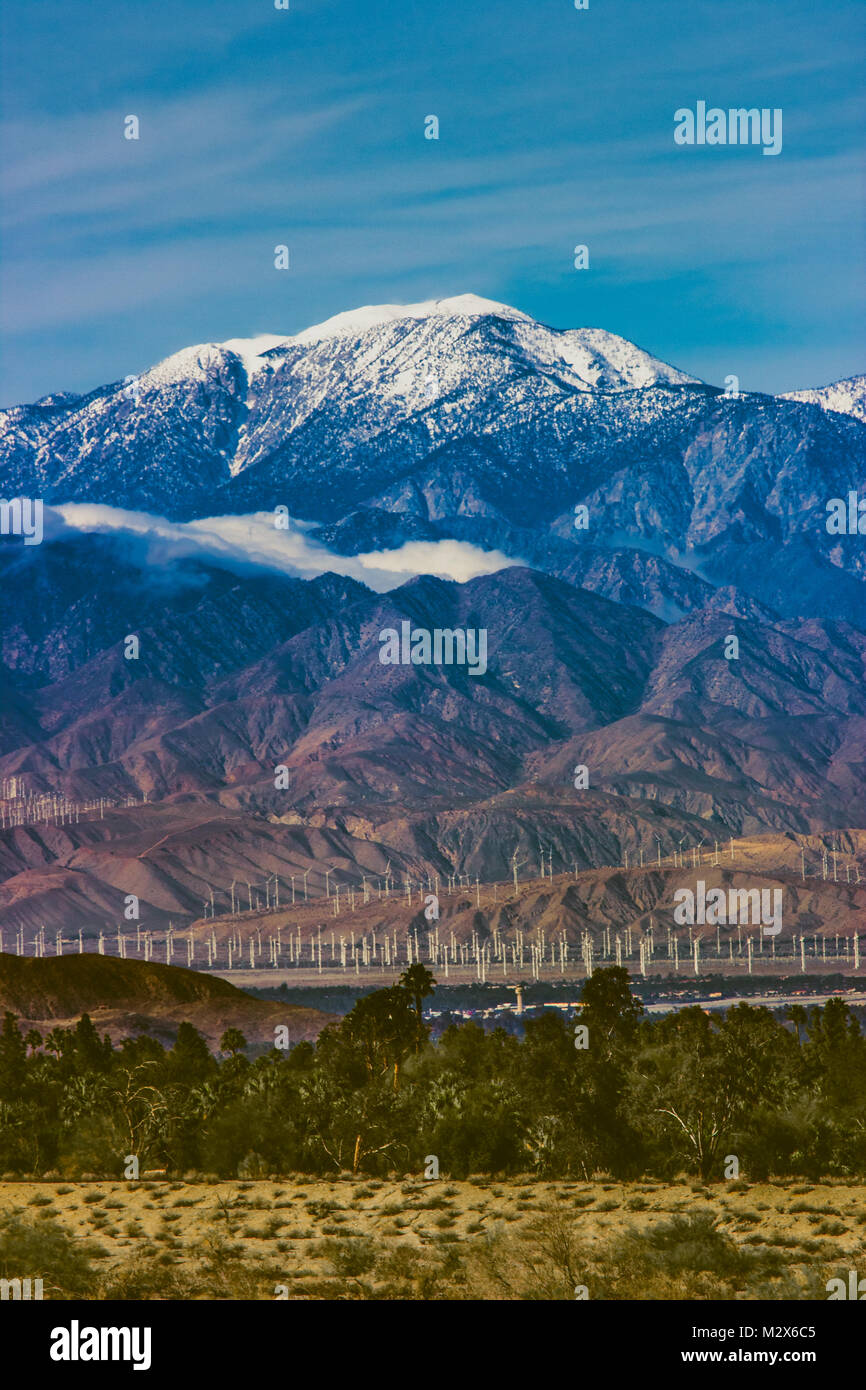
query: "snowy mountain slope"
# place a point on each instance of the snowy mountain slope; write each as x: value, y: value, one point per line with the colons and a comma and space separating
x: 597, y: 359
x: 464, y: 413
x: 848, y: 397
x: 209, y: 412
x: 353, y: 322
x: 453, y: 420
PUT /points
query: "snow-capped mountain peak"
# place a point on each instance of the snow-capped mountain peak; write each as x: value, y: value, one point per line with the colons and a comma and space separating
x: 461, y: 417
x: 357, y: 321
x: 352, y: 323
x: 586, y: 358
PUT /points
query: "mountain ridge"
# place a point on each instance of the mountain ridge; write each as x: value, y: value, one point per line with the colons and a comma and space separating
x: 654, y: 520
x: 429, y: 768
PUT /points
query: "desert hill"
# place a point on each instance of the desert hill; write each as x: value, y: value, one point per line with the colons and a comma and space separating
x: 601, y: 902
x: 126, y: 998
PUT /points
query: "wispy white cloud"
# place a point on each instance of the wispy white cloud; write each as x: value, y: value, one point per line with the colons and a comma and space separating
x: 244, y: 542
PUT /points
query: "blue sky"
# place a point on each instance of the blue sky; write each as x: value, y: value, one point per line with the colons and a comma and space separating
x: 306, y: 127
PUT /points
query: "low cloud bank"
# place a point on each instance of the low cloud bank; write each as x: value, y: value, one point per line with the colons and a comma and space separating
x: 241, y: 542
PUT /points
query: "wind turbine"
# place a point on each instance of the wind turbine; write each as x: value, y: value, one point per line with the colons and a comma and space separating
x: 515, y: 865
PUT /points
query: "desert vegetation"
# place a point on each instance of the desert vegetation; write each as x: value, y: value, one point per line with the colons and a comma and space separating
x: 373, y: 1096
x: 518, y: 1238
x: 611, y: 1157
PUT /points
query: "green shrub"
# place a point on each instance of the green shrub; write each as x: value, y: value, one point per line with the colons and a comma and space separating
x: 37, y: 1250
x: 351, y: 1257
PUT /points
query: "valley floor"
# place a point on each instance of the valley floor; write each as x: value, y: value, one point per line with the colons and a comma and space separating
x: 356, y: 1238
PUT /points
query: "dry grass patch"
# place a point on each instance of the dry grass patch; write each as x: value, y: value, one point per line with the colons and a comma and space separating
x: 455, y: 1240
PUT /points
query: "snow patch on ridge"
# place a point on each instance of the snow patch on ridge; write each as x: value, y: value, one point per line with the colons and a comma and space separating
x: 251, y: 350
x: 189, y: 364
x: 847, y: 397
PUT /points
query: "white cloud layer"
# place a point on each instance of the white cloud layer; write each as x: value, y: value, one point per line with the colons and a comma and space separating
x: 242, y: 541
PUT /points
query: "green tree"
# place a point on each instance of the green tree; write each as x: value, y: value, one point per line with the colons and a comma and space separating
x: 610, y: 1010
x: 91, y: 1053
x: 383, y: 1026
x: 232, y: 1042
x: 190, y: 1057
x: 836, y: 1057
x: 418, y: 983
x: 13, y: 1058
x: 797, y: 1015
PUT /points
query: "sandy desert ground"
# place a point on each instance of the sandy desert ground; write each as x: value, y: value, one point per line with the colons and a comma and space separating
x: 355, y: 1238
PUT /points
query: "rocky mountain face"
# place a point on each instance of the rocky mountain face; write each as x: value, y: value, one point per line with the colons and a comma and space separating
x: 695, y: 645
x: 464, y: 416
x: 427, y: 765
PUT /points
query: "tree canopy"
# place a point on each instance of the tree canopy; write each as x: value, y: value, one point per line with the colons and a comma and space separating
x: 645, y: 1096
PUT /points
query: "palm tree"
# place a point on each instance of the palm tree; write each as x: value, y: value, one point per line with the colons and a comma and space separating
x: 232, y: 1041
x: 797, y: 1015
x: 418, y: 983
